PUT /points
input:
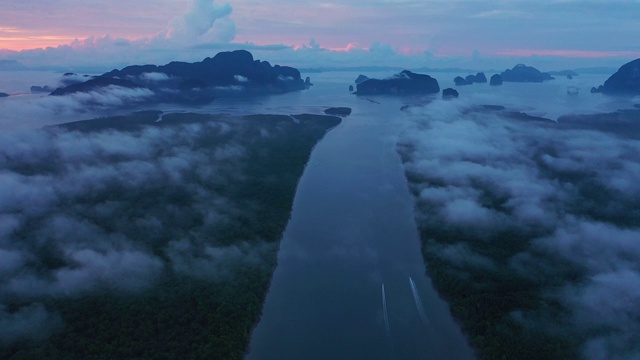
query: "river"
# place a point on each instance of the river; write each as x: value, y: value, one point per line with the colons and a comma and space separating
x: 351, y: 234
x: 351, y: 282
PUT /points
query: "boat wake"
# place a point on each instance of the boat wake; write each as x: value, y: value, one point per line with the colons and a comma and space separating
x: 418, y: 301
x: 385, y: 314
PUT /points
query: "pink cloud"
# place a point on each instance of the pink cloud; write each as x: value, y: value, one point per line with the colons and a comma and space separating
x: 13, y: 38
x: 349, y: 47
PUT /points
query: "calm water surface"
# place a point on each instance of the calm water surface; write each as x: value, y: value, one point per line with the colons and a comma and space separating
x: 350, y: 282
x: 351, y: 233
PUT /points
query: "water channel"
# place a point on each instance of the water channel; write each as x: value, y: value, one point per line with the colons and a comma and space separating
x: 350, y: 282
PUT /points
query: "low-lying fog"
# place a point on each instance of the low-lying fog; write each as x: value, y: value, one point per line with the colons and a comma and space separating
x: 568, y: 196
x: 553, y: 205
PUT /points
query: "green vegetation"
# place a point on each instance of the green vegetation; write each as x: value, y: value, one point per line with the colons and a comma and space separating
x: 484, y: 299
x: 506, y: 314
x: 340, y: 111
x: 199, y: 306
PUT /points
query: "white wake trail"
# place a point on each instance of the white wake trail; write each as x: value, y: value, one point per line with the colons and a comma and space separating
x: 418, y: 301
x: 385, y: 314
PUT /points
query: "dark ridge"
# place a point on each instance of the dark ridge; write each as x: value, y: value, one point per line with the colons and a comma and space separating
x: 460, y: 81
x: 496, y: 80
x: 564, y: 73
x: 626, y: 81
x: 523, y: 73
x: 449, y: 93
x: 234, y: 73
x: 489, y: 108
x: 361, y: 78
x: 404, y: 83
x: 480, y: 78
x: 222, y: 70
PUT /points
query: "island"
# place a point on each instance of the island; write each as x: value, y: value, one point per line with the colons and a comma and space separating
x: 449, y: 93
x: 404, y: 83
x: 3, y: 95
x: 460, y: 81
x: 523, y: 73
x: 339, y: 111
x: 479, y: 78
x: 233, y: 73
x: 361, y: 78
x: 495, y: 80
x: 625, y: 81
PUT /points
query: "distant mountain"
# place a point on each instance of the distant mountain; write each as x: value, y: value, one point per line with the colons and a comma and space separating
x: 523, y: 73
x: 445, y: 70
x: 449, y: 93
x: 596, y: 70
x: 381, y: 69
x: 404, y: 83
x: 495, y: 80
x: 470, y: 79
x: 361, y: 78
x: 350, y: 68
x: 41, y: 89
x: 564, y: 73
x: 625, y: 81
x: 460, y: 81
x: 234, y: 73
x: 11, y: 65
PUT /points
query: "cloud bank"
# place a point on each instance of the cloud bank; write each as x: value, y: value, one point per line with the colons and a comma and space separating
x: 547, y: 204
x: 115, y: 211
x: 205, y: 21
x: 537, y: 33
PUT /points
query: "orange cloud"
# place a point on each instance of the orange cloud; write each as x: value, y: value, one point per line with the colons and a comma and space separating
x: 36, y: 42
x: 13, y: 38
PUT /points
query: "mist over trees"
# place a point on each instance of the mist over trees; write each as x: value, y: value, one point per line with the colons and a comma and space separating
x: 124, y: 237
x: 529, y: 228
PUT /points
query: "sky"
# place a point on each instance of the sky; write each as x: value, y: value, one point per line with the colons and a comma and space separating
x: 411, y: 33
